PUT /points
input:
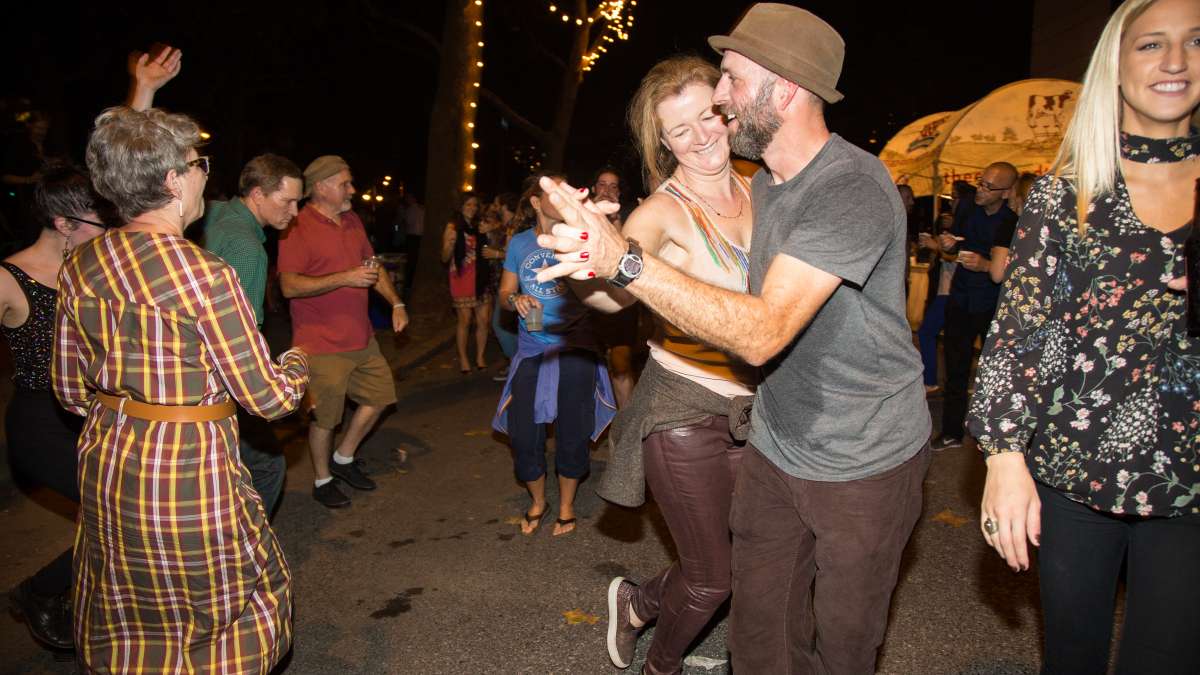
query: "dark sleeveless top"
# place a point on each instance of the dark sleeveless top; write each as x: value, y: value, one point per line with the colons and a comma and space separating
x: 32, y: 342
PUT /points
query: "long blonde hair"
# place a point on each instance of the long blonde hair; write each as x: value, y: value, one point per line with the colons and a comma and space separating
x: 1090, y: 154
x: 666, y: 79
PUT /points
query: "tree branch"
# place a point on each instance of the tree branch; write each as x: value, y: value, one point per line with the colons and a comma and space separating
x: 424, y: 36
x: 540, y: 134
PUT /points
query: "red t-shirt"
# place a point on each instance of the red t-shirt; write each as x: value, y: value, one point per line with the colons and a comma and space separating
x: 314, y: 245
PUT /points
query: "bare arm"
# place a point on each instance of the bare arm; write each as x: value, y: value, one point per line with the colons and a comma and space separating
x: 387, y: 289
x: 448, y: 236
x: 755, y: 328
x: 998, y: 264
x: 10, y: 292
x: 650, y: 226
x: 149, y: 73
x: 296, y: 285
x: 510, y: 287
x: 752, y: 327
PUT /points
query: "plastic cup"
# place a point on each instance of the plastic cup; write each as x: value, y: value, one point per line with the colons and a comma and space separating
x: 533, y: 319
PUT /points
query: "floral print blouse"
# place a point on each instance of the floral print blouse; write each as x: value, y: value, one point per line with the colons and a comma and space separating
x: 1088, y: 368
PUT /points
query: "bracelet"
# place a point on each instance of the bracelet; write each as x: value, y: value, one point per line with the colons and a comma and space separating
x: 398, y: 304
x: 512, y: 300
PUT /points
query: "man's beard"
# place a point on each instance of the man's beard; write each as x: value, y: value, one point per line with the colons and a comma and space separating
x: 756, y: 125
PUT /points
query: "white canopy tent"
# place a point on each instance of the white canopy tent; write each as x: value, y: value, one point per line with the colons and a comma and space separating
x: 1021, y: 123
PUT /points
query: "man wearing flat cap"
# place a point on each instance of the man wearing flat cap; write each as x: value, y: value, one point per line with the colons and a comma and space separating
x: 829, y: 488
x: 326, y: 266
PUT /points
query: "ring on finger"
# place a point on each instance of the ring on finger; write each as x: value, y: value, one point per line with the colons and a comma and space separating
x: 990, y: 526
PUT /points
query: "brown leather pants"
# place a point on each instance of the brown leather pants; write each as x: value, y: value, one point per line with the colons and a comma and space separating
x: 691, y: 471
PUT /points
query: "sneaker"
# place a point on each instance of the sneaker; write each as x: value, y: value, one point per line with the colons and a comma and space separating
x: 945, y: 443
x: 353, y: 475
x: 329, y: 495
x: 622, y: 636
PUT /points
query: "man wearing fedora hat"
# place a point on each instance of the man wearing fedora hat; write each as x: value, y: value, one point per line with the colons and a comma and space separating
x: 326, y: 266
x: 830, y: 486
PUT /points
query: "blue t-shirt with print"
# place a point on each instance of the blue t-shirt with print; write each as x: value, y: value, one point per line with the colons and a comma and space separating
x: 564, y: 316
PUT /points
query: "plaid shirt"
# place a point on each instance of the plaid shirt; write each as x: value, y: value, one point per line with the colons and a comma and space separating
x: 176, y: 568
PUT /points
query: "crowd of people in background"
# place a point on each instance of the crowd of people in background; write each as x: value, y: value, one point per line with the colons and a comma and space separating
x: 739, y: 342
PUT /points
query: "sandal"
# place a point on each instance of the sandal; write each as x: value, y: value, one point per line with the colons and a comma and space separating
x: 535, y: 522
x: 564, y: 522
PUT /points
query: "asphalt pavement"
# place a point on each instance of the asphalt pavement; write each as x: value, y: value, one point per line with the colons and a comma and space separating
x: 430, y: 573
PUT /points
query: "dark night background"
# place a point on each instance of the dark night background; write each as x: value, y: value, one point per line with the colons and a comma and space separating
x: 358, y: 77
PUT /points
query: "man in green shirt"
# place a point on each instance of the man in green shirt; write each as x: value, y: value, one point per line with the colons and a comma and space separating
x: 270, y: 187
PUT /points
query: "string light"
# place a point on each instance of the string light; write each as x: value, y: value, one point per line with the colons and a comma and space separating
x: 474, y: 41
x: 616, y: 18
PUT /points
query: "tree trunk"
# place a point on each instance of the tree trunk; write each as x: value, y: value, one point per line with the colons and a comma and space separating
x: 569, y: 90
x: 449, y: 140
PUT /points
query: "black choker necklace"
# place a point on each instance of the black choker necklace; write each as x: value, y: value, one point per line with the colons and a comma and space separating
x: 1153, y: 150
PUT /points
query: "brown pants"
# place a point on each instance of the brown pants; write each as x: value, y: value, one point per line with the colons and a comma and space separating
x: 691, y: 471
x: 814, y: 566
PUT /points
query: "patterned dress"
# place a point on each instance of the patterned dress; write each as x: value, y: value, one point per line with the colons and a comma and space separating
x: 1088, y: 368
x: 176, y: 568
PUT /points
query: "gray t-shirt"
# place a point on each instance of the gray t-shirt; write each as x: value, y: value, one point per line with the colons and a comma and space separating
x: 845, y: 400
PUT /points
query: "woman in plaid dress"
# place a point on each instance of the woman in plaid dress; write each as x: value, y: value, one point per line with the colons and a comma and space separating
x: 176, y: 567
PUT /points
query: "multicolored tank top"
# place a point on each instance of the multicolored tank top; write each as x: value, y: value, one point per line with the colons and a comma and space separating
x: 725, y: 265
x: 32, y: 342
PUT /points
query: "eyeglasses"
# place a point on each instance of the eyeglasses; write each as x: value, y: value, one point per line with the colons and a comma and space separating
x: 202, y: 162
x: 984, y: 185
x: 85, y: 220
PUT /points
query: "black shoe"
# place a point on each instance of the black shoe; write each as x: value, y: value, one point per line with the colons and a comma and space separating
x: 353, y: 475
x: 48, y: 619
x: 622, y: 636
x: 945, y: 443
x: 329, y: 495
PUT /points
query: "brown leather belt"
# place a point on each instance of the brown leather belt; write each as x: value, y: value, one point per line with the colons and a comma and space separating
x: 168, y: 413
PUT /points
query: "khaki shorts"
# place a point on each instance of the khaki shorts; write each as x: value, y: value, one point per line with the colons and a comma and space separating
x: 363, y: 375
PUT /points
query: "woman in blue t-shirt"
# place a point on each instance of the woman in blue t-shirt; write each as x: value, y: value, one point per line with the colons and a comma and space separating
x: 556, y: 371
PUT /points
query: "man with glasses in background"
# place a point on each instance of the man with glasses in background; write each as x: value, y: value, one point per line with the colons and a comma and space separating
x: 973, y: 294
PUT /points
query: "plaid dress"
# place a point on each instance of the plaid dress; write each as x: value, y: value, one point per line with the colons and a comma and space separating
x: 176, y: 568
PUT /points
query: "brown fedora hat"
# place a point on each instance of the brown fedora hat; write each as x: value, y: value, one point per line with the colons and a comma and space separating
x: 791, y: 42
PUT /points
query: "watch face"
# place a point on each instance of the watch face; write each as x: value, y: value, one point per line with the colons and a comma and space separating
x: 631, y: 266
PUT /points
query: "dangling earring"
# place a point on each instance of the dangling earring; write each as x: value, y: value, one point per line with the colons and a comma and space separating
x: 66, y: 247
x: 181, y: 207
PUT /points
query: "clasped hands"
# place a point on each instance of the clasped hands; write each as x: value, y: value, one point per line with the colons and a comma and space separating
x: 586, y: 244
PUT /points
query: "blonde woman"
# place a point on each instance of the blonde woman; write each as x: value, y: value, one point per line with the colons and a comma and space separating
x: 1085, y: 406
x: 683, y: 431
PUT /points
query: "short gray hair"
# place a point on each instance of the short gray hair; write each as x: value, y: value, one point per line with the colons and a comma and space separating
x: 129, y: 154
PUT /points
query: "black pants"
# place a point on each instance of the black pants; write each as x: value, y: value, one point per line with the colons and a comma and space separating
x: 1079, y: 563
x: 962, y: 327
x: 41, y: 448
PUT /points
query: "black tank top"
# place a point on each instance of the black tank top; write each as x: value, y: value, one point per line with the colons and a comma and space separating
x: 32, y: 342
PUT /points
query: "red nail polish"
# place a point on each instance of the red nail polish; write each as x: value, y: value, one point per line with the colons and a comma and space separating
x: 583, y: 236
x: 584, y: 256
x: 591, y: 275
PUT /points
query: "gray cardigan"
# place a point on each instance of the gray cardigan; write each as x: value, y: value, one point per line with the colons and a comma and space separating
x: 661, y: 401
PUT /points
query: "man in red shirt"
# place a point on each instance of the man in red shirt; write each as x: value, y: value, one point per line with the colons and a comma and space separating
x: 326, y: 266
